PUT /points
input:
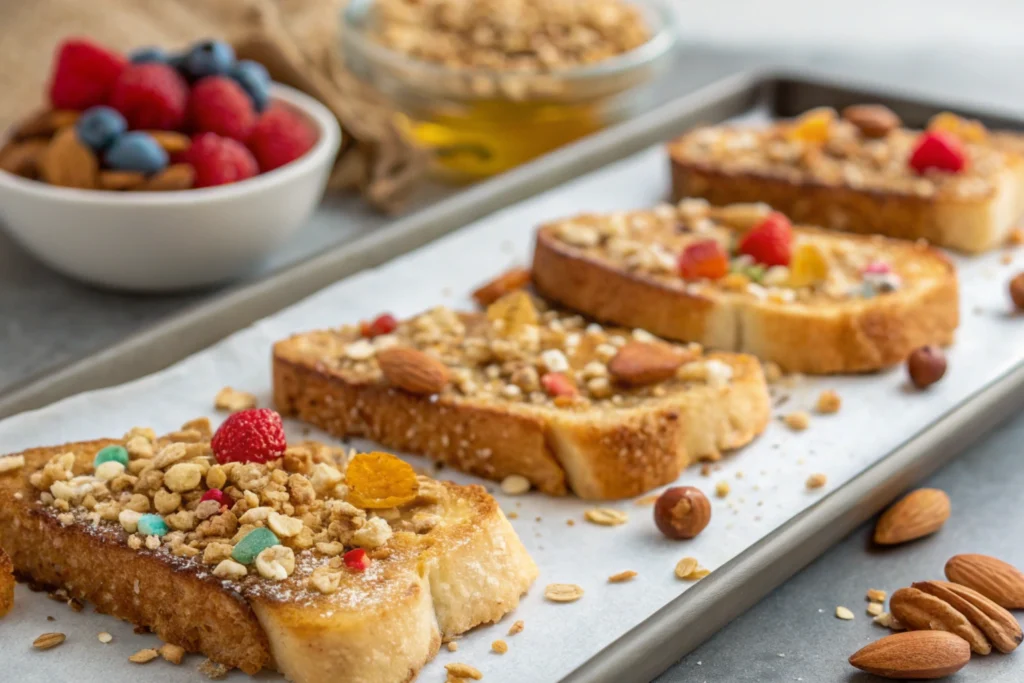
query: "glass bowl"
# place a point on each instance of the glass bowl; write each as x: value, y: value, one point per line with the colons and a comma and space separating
x: 479, y: 122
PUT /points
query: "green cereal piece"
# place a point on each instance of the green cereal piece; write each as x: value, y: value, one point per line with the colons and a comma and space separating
x: 115, y: 453
x: 254, y: 543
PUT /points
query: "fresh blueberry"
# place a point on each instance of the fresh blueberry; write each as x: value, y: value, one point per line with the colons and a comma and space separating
x: 209, y: 58
x: 255, y: 81
x: 99, y: 126
x: 144, y: 55
x: 136, y: 152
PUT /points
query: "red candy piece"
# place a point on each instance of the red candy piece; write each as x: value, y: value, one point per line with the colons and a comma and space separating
x: 215, y: 494
x: 382, y: 324
x: 219, y: 105
x: 280, y: 136
x: 151, y: 96
x: 938, y: 150
x: 769, y: 242
x: 83, y: 75
x: 703, y: 260
x: 557, y: 384
x: 357, y: 560
x: 877, y: 268
x: 254, y: 435
x: 218, y: 160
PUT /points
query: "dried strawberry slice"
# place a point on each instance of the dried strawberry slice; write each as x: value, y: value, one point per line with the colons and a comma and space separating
x: 357, y: 560
x: 382, y: 324
x: 557, y: 384
x: 703, y: 260
x: 939, y: 150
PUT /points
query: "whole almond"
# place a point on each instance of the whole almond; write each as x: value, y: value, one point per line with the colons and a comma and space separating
x: 996, y: 623
x: 639, y: 363
x: 919, y: 513
x: 44, y: 124
x: 917, y: 655
x: 121, y: 180
x: 919, y: 611
x: 174, y: 177
x: 69, y: 163
x: 998, y: 581
x: 22, y: 158
x: 173, y: 142
x: 872, y: 120
x: 412, y: 370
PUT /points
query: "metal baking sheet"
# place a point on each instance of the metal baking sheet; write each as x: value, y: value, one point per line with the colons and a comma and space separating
x: 681, y: 624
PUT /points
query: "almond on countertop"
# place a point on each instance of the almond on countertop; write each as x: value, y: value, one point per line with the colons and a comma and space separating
x: 998, y: 625
x: 919, y: 513
x: 920, y: 611
x: 914, y: 654
x: 998, y: 581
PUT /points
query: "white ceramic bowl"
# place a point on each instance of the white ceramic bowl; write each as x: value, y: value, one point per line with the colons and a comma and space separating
x: 163, y: 241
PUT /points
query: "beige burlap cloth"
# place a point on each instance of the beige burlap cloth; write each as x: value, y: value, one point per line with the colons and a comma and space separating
x: 297, y: 40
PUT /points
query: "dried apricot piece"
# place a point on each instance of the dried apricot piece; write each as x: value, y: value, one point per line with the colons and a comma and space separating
x: 968, y: 130
x: 516, y: 309
x: 380, y: 480
x: 813, y: 126
x: 808, y: 266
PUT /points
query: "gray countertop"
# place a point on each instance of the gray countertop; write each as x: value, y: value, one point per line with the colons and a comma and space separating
x: 792, y: 634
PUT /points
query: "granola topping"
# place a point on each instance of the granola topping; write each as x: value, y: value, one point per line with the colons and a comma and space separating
x: 650, y: 242
x: 291, y: 518
x: 519, y: 352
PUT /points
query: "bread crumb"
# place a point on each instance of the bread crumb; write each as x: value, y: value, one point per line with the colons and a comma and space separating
x: 1006, y: 259
x: 828, y: 402
x: 215, y: 671
x: 516, y: 628
x: 144, y: 656
x: 453, y: 646
x: 499, y: 647
x: 513, y: 515
x: 233, y: 401
x: 705, y: 470
x: 816, y: 480
x: 843, y: 613
x: 172, y: 653
x: 622, y: 577
x: 570, y: 522
x: 772, y: 372
x: 463, y: 671
x: 722, y: 489
x: 797, y: 421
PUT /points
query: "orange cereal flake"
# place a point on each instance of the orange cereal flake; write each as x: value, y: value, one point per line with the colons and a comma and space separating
x: 380, y: 480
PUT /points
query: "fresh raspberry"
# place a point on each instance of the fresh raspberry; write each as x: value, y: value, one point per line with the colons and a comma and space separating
x: 704, y: 260
x: 151, y: 96
x: 769, y: 242
x: 382, y: 324
x: 218, y: 160
x: 219, y: 105
x: 557, y: 384
x: 280, y: 136
x: 254, y: 435
x: 939, y: 150
x: 83, y: 75
x: 357, y: 560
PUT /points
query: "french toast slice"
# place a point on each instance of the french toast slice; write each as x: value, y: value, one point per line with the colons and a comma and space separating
x: 529, y: 392
x: 822, y: 171
x: 849, y: 303
x: 350, y: 593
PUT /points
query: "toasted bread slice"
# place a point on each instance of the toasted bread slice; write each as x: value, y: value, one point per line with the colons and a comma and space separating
x: 844, y: 180
x: 446, y: 561
x: 504, y: 412
x: 623, y: 269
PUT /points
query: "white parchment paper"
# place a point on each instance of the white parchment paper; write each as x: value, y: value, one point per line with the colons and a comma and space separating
x: 766, y: 479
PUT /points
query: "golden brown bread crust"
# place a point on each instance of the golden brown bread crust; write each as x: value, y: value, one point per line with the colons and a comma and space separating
x: 131, y: 585
x: 860, y: 336
x: 6, y: 583
x: 959, y: 223
x: 381, y: 626
x: 616, y: 455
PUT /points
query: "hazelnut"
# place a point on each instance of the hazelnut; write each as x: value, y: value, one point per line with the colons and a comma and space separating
x: 926, y: 366
x: 872, y: 120
x: 682, y: 512
x: 1017, y: 291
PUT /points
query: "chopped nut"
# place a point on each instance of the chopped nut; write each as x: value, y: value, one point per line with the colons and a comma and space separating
x: 104, y: 637
x: 283, y: 525
x: 172, y: 653
x: 231, y: 570
x: 48, y: 641
x: 686, y: 567
x: 647, y: 500
x: 276, y: 563
x: 843, y: 613
x: 606, y: 516
x: 453, y: 646
x: 797, y: 421
x: 875, y: 595
x: 215, y: 671
x: 234, y: 401
x: 622, y: 577
x: 816, y: 481
x: 888, y: 621
x: 144, y: 656
x: 463, y: 671
x: 516, y: 628
x: 722, y: 489
x: 499, y: 647
x: 828, y: 403
x: 515, y: 485
x: 10, y: 463
x: 563, y: 592
x: 874, y: 608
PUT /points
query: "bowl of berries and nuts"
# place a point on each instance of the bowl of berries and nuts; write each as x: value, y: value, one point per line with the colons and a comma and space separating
x: 159, y: 171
